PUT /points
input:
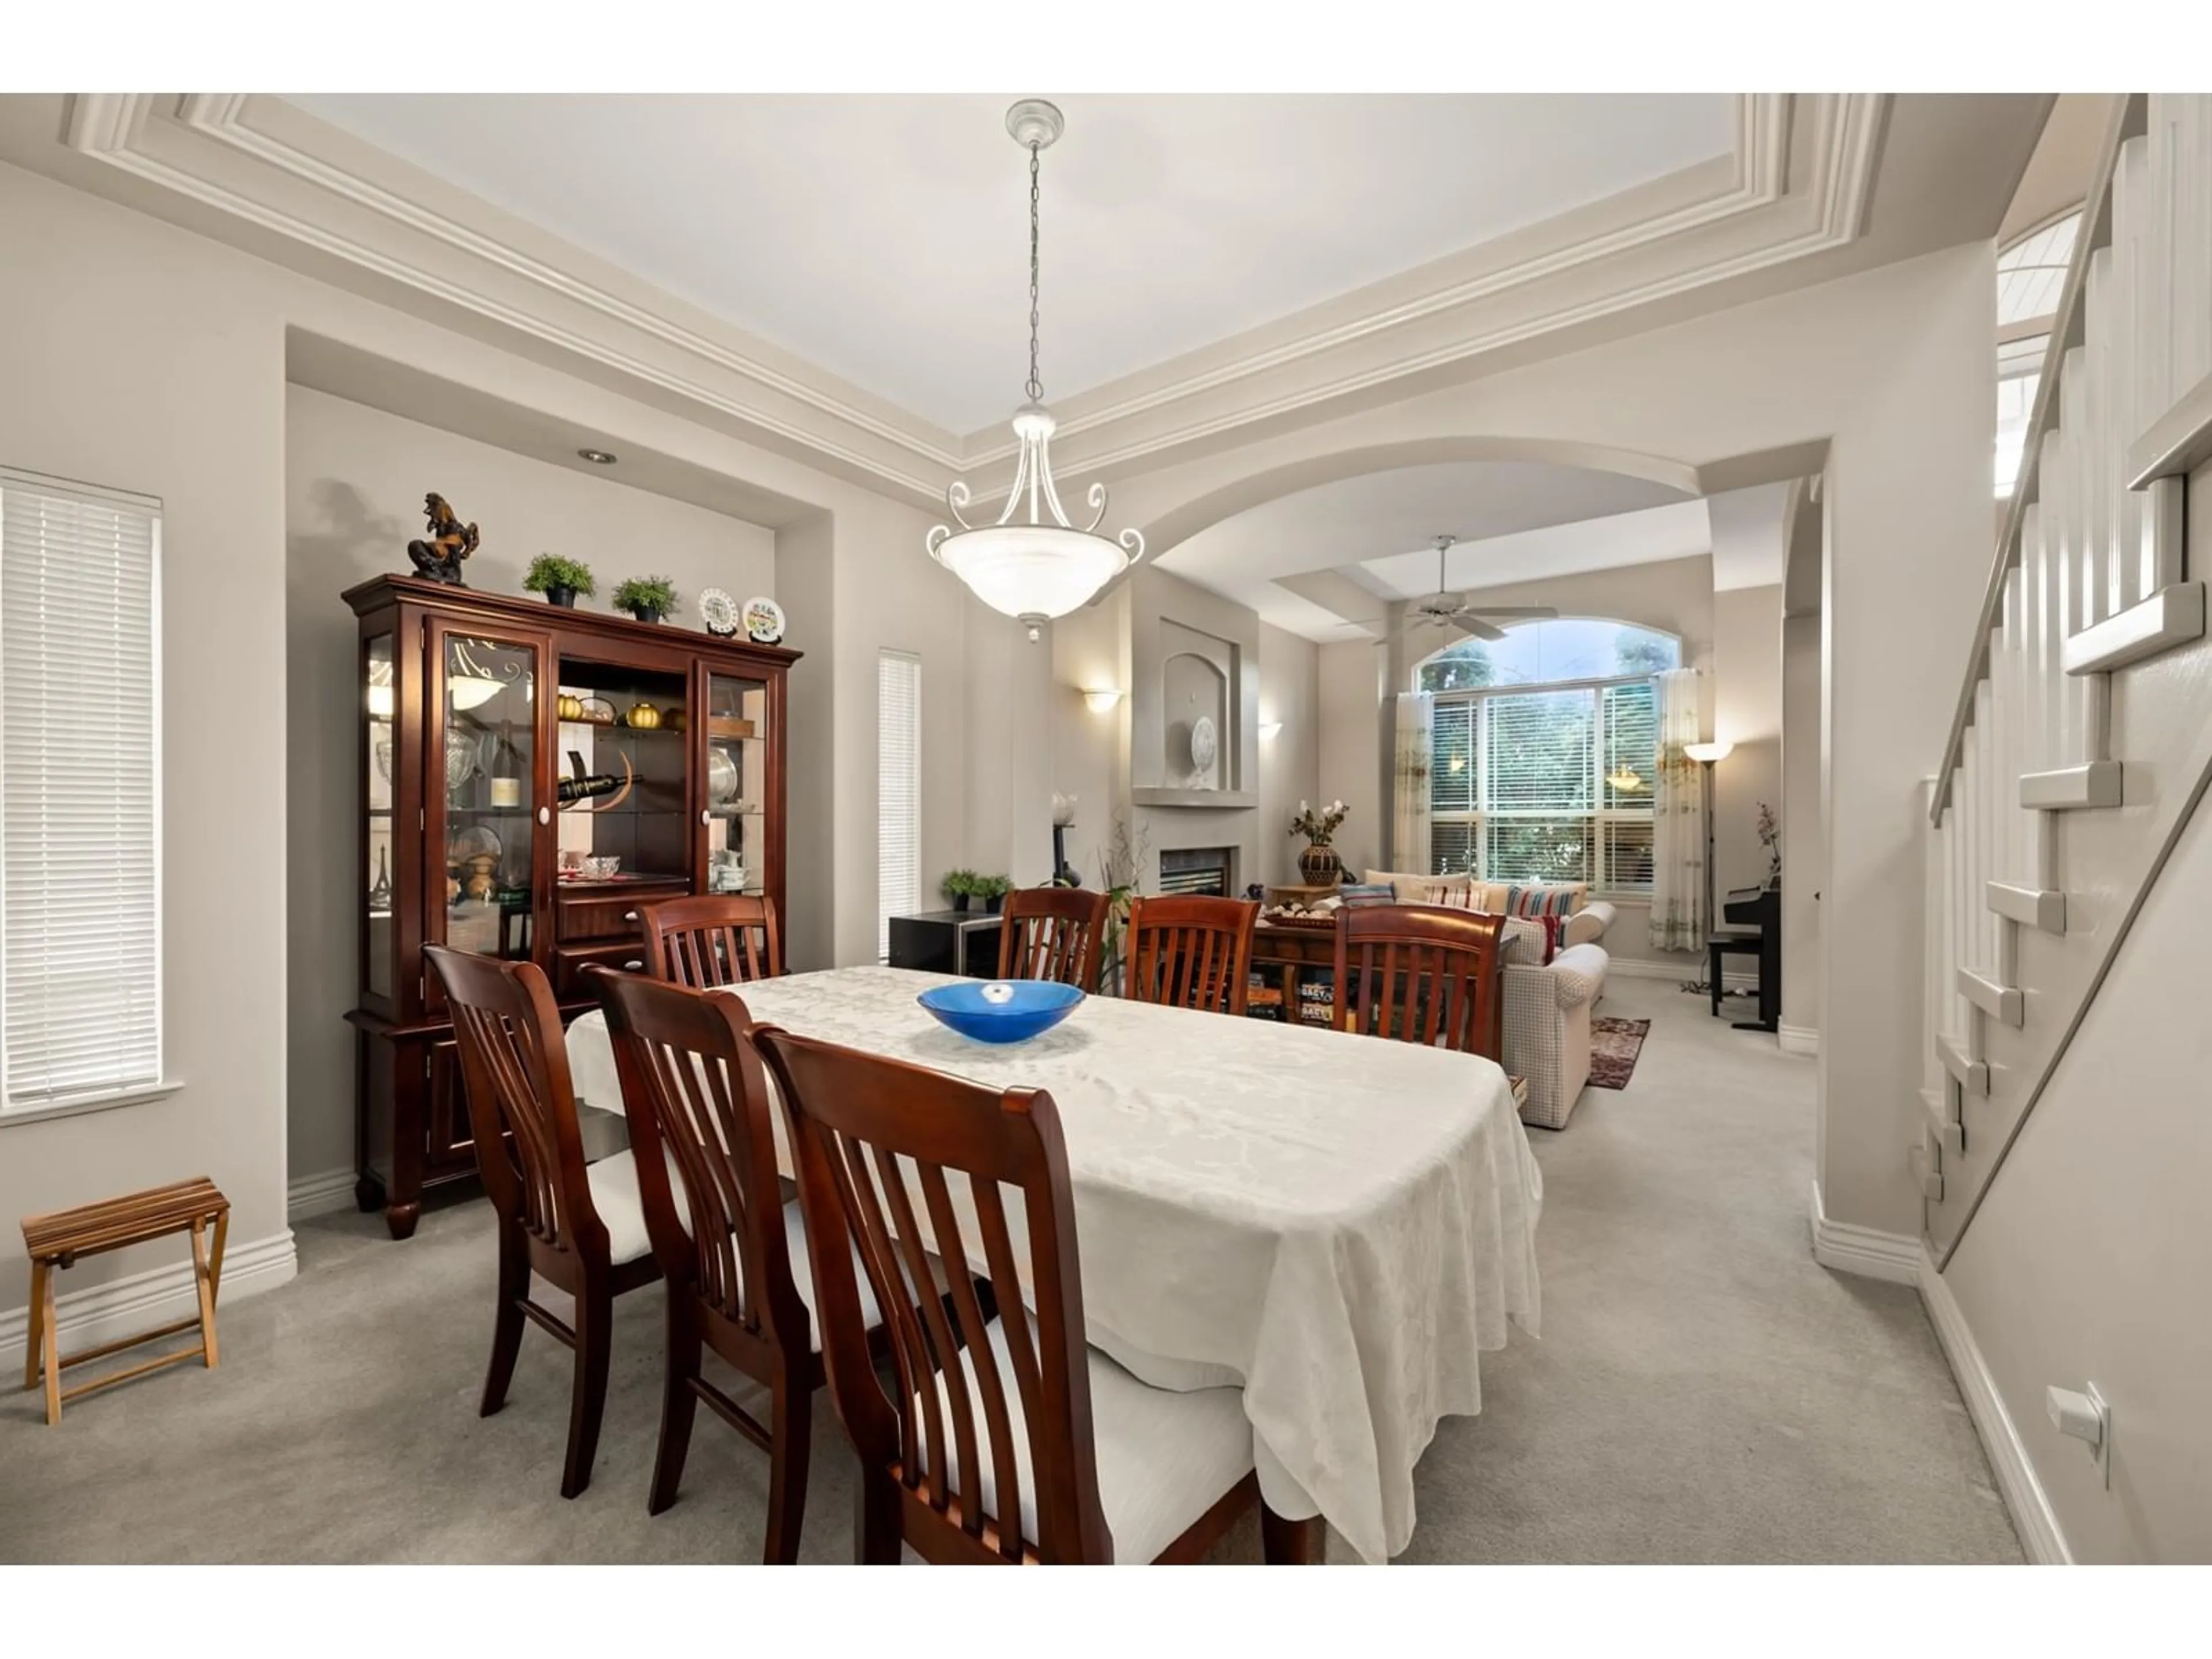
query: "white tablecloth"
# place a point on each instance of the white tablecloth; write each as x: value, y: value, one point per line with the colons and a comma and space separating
x: 1339, y: 1224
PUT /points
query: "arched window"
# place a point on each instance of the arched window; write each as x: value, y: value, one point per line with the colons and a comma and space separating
x: 1545, y: 749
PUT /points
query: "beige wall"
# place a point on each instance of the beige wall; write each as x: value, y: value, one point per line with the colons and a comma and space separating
x: 1892, y: 370
x: 353, y: 482
x: 1802, y: 850
x: 1290, y: 762
x: 1747, y: 713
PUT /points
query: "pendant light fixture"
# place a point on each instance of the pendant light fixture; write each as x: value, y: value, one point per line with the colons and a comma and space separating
x: 1043, y: 567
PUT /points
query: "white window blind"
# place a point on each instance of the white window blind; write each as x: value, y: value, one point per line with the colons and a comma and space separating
x: 80, y: 793
x: 898, y: 792
x: 1549, y: 785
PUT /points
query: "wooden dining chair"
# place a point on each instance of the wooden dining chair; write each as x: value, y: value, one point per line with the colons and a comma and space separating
x: 712, y: 939
x: 1053, y: 932
x: 578, y: 1227
x: 727, y: 1243
x: 1007, y: 1439
x: 1191, y: 952
x: 1421, y: 973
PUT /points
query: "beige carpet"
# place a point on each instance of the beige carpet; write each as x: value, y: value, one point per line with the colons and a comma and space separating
x: 1704, y: 1391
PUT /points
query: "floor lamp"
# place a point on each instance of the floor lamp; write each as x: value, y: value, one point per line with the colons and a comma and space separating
x: 1708, y: 755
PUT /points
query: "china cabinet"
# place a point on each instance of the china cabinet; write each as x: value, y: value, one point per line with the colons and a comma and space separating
x: 531, y: 774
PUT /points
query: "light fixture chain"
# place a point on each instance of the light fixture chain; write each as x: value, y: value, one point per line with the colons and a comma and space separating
x: 1035, y: 386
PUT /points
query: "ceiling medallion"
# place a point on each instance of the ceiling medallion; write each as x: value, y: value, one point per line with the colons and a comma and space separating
x: 1046, y: 566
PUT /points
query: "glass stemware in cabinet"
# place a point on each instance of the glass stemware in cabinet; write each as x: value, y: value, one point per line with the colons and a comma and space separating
x: 379, y: 710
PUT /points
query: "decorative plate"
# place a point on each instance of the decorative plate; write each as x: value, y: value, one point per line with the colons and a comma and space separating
x: 719, y: 612
x: 1203, y: 745
x: 764, y: 620
x: 721, y: 778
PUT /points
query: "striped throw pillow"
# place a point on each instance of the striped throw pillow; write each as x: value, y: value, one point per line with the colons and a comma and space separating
x: 1543, y: 901
x: 1357, y: 893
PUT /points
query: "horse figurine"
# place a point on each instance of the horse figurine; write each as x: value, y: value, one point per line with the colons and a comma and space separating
x: 450, y: 542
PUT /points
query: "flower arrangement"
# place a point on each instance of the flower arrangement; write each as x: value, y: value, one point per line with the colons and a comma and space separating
x: 1318, y: 827
x: 561, y: 580
x: 1770, y: 838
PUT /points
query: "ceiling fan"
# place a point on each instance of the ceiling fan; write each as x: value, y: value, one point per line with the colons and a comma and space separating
x: 1445, y: 609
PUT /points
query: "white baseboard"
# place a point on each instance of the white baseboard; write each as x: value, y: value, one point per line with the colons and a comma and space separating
x: 1903, y: 1261
x: 1861, y: 1250
x: 2032, y: 1514
x: 122, y: 1307
x: 320, y: 1194
x: 1798, y: 1039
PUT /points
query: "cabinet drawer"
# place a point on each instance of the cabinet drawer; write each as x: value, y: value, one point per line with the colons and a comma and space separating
x: 600, y: 915
x: 569, y: 962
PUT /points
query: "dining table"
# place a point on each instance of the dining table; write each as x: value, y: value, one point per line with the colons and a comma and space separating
x: 1340, y: 1225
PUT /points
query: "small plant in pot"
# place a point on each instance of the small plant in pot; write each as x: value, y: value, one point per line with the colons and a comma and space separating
x: 648, y: 598
x: 993, y: 890
x: 960, y: 886
x: 561, y: 580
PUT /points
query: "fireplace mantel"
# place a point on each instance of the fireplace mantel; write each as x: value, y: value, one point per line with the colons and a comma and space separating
x: 1219, y: 800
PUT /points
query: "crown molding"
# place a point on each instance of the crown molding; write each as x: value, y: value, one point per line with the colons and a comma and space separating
x: 1797, y: 183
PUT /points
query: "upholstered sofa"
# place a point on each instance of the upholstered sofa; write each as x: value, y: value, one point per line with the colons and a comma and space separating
x: 1548, y: 1005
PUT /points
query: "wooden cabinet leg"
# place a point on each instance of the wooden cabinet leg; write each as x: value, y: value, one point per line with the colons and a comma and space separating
x: 400, y: 1218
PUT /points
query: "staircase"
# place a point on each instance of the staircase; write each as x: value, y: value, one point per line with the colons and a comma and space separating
x: 2084, y: 734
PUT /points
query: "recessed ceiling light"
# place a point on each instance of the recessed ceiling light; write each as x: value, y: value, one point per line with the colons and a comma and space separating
x: 597, y: 456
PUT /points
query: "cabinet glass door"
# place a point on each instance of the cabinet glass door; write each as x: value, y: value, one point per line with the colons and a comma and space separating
x: 380, y: 792
x: 485, y: 808
x: 736, y: 729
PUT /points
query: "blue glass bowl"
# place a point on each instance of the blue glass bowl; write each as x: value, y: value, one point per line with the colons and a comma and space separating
x: 1001, y: 1010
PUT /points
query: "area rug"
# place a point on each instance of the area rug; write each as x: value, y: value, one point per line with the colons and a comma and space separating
x: 1614, y: 1044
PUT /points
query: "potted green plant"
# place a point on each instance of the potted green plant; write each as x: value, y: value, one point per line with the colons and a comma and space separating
x: 960, y: 886
x: 993, y: 890
x: 559, y: 579
x: 648, y: 598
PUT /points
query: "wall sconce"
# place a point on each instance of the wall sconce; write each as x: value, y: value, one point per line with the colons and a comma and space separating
x: 1269, y: 730
x: 1102, y: 702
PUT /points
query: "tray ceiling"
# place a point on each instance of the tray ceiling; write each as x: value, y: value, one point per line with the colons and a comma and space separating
x: 884, y: 238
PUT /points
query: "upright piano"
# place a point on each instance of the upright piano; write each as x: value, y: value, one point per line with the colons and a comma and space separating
x: 1760, y: 908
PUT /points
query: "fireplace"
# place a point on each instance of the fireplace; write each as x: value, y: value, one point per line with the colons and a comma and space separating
x: 1195, y: 870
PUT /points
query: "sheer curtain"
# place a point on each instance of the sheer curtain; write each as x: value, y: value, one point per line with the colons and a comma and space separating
x: 1409, y: 793
x: 1677, y: 815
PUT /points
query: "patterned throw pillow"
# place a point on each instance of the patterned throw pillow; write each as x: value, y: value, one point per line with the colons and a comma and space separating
x: 1357, y: 893
x: 1526, y: 940
x: 1561, y: 901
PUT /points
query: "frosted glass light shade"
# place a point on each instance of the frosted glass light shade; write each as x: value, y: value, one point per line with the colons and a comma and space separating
x: 1032, y: 571
x: 1706, y: 753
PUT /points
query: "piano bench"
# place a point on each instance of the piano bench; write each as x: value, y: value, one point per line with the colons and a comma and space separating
x: 1718, y: 947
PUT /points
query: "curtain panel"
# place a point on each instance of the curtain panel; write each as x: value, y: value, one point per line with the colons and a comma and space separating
x: 1678, y: 813
x: 1409, y: 792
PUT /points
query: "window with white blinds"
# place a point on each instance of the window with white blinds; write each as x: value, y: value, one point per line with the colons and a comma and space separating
x: 1545, y: 785
x: 80, y: 794
x: 898, y: 792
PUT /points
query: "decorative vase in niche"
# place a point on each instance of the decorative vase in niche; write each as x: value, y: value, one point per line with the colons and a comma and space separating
x: 1320, y: 865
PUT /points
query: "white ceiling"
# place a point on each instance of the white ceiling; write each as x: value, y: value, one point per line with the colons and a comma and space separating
x: 886, y: 238
x: 1519, y: 520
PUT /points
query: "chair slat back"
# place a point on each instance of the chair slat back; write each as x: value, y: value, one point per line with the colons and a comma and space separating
x: 1421, y: 973
x: 903, y: 1162
x: 697, y: 1100
x: 1053, y: 932
x: 712, y: 939
x: 1191, y: 952
x: 522, y: 1108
